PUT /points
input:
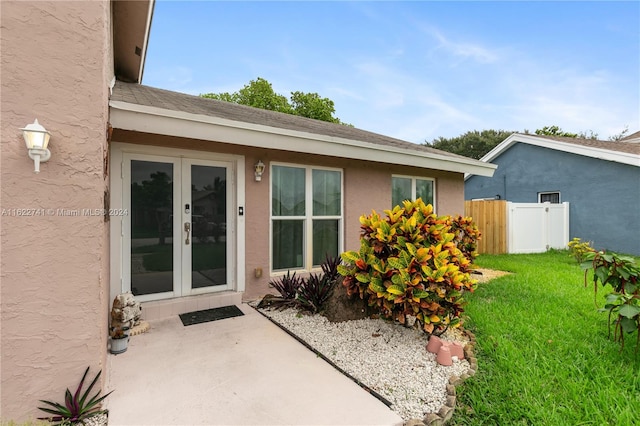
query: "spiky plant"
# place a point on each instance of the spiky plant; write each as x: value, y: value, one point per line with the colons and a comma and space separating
x: 76, y: 407
x: 314, y: 292
x: 287, y: 285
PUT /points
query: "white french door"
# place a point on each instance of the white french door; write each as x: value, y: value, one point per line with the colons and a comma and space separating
x: 178, y: 239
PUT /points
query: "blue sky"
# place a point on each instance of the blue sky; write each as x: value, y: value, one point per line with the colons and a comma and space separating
x: 415, y: 70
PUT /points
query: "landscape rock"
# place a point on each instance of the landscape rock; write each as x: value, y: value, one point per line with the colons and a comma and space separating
x: 341, y: 307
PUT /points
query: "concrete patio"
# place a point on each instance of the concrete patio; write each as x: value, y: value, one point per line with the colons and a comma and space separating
x: 236, y: 371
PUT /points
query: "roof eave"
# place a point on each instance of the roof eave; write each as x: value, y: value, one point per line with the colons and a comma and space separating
x: 132, y: 25
x: 599, y: 153
x: 146, y: 119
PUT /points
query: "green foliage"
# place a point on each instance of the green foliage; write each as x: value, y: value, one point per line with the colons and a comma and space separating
x: 555, y: 131
x: 578, y: 249
x: 619, y: 136
x: 473, y: 144
x: 410, y: 263
x: 259, y: 93
x: 622, y: 273
x: 76, y: 407
x: 540, y: 360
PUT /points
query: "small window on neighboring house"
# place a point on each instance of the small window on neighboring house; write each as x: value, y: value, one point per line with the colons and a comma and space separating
x: 412, y: 188
x: 549, y: 197
x: 306, y: 216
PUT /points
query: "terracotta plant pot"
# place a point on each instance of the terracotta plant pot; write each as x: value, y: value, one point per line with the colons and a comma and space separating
x: 434, y: 344
x: 457, y: 350
x: 444, y: 356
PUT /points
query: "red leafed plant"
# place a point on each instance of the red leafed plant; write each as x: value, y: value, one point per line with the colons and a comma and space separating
x: 76, y: 407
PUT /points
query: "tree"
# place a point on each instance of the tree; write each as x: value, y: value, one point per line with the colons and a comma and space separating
x: 555, y: 131
x: 618, y: 136
x: 259, y: 93
x: 473, y: 144
x: 311, y: 105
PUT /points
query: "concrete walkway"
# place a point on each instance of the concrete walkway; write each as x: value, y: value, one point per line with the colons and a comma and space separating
x: 236, y: 371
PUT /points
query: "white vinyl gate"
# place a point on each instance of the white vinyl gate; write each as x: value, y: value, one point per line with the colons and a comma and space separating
x: 536, y: 228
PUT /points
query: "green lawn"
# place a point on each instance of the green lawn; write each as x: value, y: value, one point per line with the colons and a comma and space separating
x: 543, y: 353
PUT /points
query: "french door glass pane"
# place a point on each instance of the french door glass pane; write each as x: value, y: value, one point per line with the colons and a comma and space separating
x: 424, y: 190
x: 325, y: 240
x: 151, y: 227
x: 326, y: 193
x: 288, y: 240
x: 287, y: 191
x: 208, y: 226
x: 401, y: 190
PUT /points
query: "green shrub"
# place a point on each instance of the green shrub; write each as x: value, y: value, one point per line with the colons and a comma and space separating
x: 579, y: 249
x: 413, y: 262
x: 623, y: 303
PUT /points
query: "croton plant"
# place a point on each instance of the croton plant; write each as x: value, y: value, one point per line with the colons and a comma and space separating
x: 413, y: 262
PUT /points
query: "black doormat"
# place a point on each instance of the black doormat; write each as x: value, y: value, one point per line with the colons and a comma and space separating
x: 198, y: 317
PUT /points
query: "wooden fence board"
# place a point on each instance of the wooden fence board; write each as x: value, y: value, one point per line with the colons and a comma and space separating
x: 491, y: 219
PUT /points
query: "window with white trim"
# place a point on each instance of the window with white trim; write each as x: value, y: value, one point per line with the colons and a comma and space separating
x: 412, y: 188
x: 306, y: 216
x: 549, y: 197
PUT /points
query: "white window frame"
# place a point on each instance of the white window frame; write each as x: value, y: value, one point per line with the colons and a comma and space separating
x: 307, y: 245
x: 540, y: 194
x: 414, y: 186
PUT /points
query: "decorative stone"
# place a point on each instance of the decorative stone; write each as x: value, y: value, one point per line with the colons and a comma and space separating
x: 451, y: 390
x: 455, y: 380
x: 341, y: 307
x: 451, y: 401
x: 434, y: 420
x: 126, y: 311
x: 414, y: 422
x: 446, y: 413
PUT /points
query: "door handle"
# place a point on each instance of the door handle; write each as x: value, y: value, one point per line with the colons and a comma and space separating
x: 187, y: 229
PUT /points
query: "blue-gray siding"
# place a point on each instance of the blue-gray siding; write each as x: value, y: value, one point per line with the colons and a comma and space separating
x: 604, y: 195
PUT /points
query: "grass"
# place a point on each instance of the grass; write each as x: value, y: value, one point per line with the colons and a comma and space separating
x: 544, y: 357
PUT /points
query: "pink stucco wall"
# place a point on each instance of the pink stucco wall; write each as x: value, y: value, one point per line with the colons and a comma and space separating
x: 367, y: 186
x: 56, y: 66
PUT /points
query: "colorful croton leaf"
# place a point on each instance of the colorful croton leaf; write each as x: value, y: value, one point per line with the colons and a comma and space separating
x: 413, y: 262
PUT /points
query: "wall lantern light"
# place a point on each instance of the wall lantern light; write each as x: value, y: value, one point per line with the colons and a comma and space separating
x: 37, y: 138
x: 259, y: 170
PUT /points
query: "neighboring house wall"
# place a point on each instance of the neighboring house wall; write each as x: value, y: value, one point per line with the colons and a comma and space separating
x: 603, y: 195
x: 366, y: 186
x: 56, y: 68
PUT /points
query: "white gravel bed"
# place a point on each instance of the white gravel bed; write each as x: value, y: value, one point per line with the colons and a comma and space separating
x: 388, y: 358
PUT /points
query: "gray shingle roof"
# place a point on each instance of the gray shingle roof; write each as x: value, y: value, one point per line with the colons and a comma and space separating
x: 620, y: 146
x: 635, y: 137
x: 149, y: 96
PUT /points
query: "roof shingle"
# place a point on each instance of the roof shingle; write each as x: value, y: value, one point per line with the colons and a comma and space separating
x: 619, y: 146
x: 174, y: 101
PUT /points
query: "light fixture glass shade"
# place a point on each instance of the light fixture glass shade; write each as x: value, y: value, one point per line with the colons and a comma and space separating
x: 259, y: 170
x: 36, y: 136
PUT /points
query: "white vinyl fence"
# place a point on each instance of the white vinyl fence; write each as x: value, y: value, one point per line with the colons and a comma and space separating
x: 535, y: 228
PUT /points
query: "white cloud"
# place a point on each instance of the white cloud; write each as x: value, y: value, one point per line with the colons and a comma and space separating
x: 464, y: 50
